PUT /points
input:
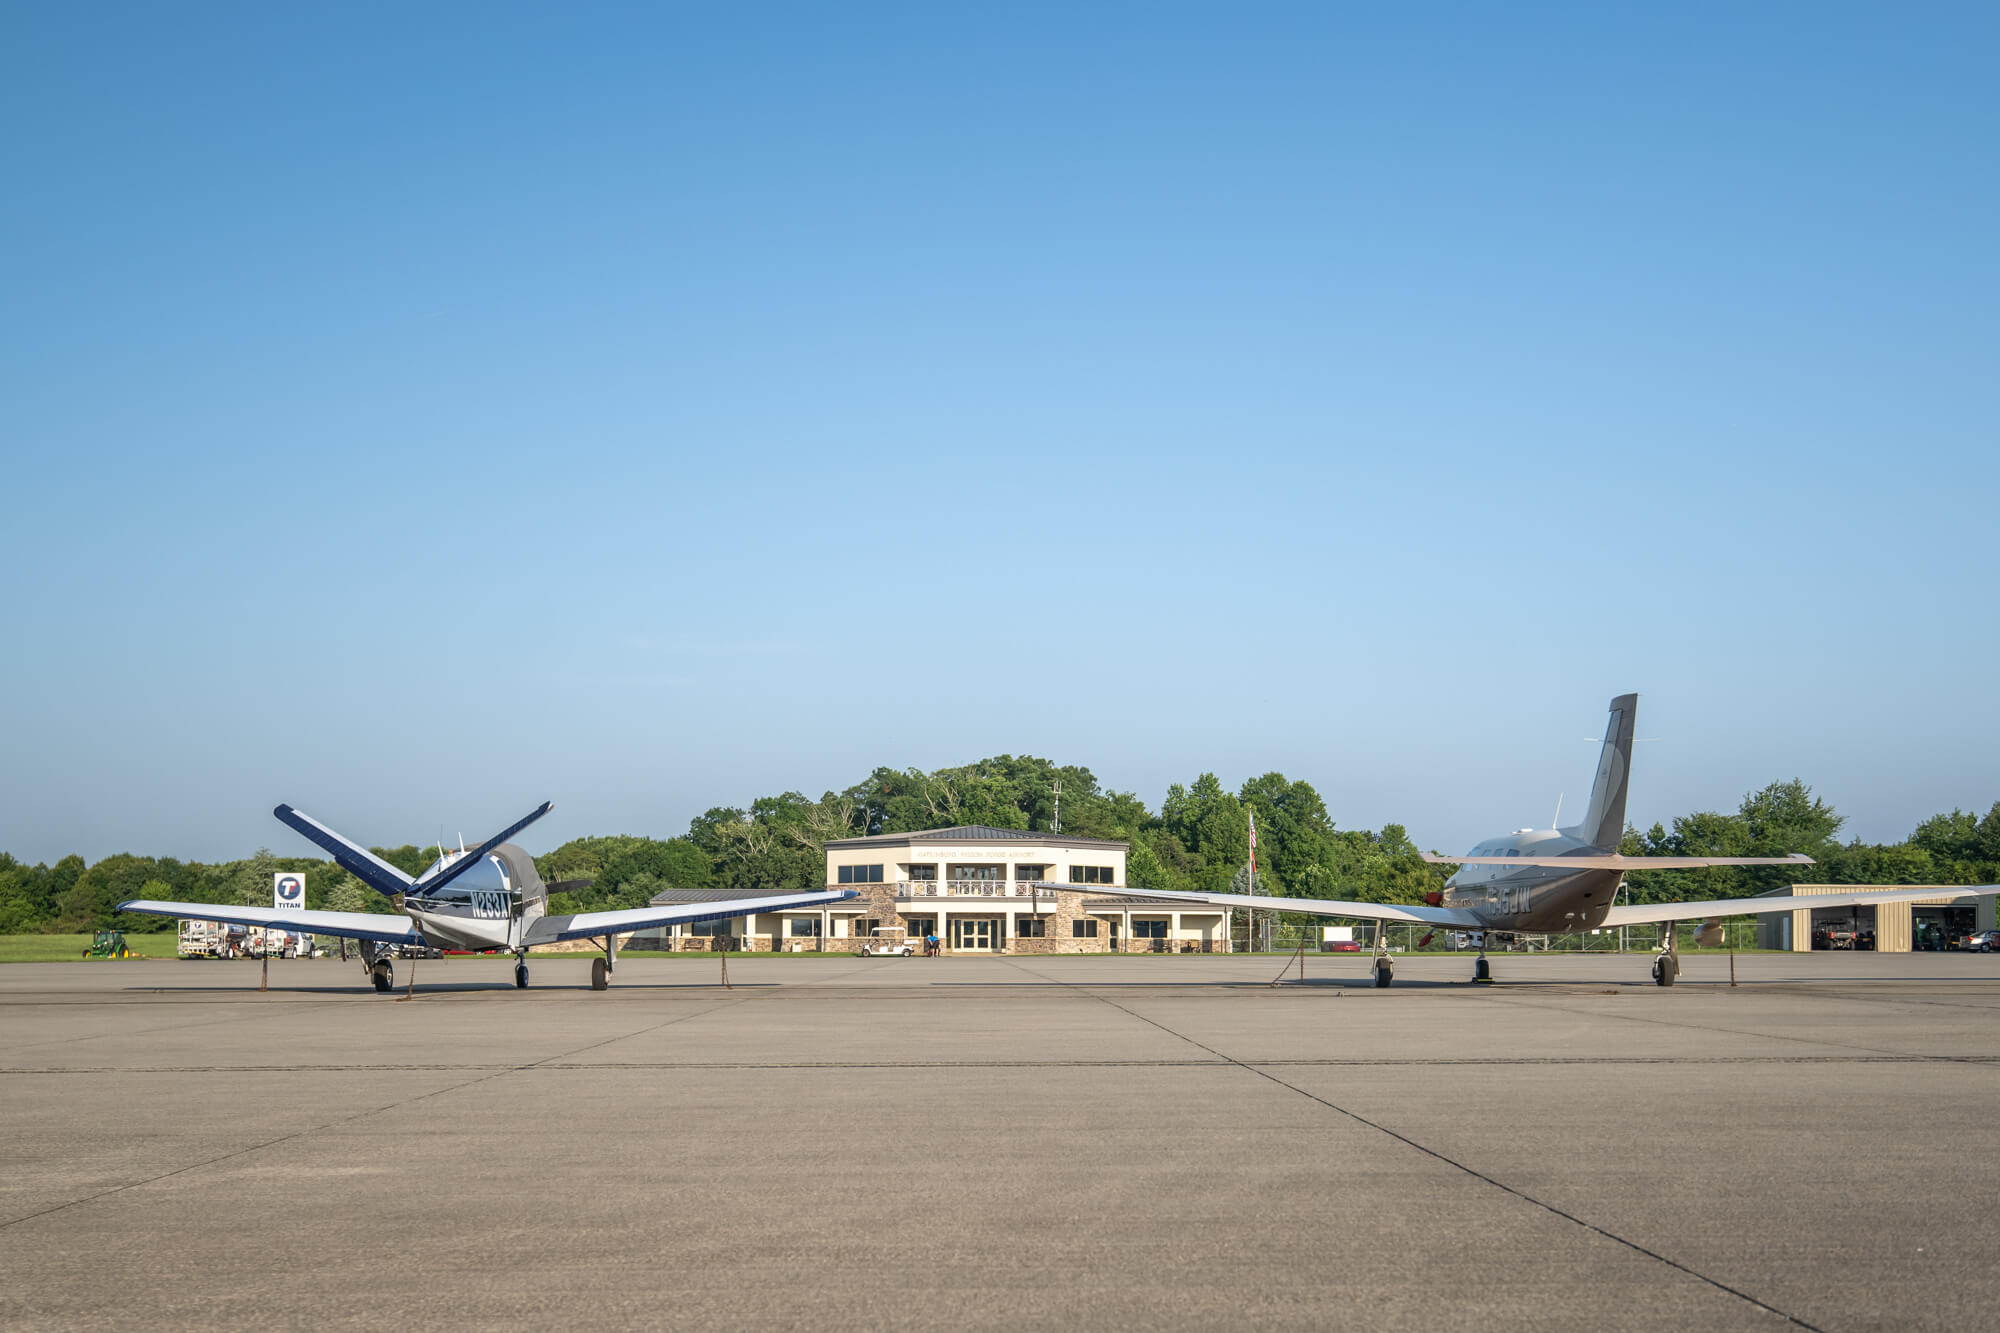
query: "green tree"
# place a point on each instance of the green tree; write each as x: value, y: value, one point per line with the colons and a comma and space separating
x: 91, y: 902
x: 348, y: 896
x: 27, y: 899
x: 1212, y: 826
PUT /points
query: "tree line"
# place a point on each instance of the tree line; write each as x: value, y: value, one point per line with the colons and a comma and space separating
x: 1197, y: 840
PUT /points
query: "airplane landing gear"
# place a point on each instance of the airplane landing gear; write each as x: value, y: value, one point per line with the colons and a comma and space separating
x: 1666, y: 968
x: 1385, y: 971
x: 1482, y: 974
x: 520, y: 974
x: 600, y: 968
x: 383, y: 975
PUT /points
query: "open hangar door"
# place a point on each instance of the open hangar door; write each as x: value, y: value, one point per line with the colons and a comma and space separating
x: 1941, y: 927
x: 1843, y: 928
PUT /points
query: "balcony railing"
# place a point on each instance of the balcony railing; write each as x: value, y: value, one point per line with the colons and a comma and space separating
x: 991, y: 888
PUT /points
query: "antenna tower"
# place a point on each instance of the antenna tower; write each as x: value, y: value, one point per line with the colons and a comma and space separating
x: 1058, y: 820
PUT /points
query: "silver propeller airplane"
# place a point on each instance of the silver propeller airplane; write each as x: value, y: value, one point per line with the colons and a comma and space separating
x: 1562, y: 880
x: 488, y: 898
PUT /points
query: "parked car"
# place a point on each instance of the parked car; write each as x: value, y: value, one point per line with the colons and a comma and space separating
x: 1982, y: 941
x: 1342, y: 946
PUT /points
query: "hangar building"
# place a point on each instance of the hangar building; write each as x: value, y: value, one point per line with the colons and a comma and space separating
x: 1930, y: 923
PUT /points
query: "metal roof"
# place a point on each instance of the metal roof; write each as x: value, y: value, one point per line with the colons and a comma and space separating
x: 679, y: 897
x: 973, y: 833
x: 674, y: 897
x: 1159, y: 904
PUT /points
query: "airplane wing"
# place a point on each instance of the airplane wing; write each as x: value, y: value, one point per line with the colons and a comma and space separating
x: 578, y: 925
x: 1411, y: 913
x: 1641, y: 914
x: 354, y: 925
x: 1613, y: 861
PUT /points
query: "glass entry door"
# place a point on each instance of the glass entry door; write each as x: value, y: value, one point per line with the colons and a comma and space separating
x: 972, y: 933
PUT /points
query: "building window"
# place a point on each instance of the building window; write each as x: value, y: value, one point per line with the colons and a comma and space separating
x: 799, y: 925
x: 1143, y: 929
x: 978, y: 872
x: 709, y: 929
x: 861, y: 874
x: 1030, y: 874
x: 928, y: 872
x: 1083, y: 930
x: 1090, y: 875
x: 1031, y: 928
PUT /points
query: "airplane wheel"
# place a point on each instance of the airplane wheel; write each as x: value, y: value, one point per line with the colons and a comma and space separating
x: 384, y: 977
x: 1665, y: 969
x: 520, y: 976
x: 1480, y: 970
x: 600, y: 975
x: 1384, y: 974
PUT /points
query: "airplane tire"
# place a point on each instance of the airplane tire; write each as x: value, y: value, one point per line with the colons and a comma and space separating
x: 520, y: 976
x: 1384, y: 974
x: 600, y: 975
x: 384, y: 977
x: 1665, y: 968
x: 1481, y: 971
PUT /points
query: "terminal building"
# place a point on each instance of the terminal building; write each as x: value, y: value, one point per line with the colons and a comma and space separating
x: 978, y: 889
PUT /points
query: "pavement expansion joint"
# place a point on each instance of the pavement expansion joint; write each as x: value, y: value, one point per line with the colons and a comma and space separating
x: 1467, y: 1169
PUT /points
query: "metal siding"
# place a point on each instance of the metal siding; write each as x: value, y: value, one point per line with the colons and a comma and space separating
x: 1895, y: 927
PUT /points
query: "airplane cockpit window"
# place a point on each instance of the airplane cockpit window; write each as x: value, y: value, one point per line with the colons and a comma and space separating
x: 486, y: 877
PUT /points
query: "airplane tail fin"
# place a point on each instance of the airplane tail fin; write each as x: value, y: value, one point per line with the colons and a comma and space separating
x: 445, y: 872
x: 384, y: 878
x: 357, y: 860
x: 1604, y: 821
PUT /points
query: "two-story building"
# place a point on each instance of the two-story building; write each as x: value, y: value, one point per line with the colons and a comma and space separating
x: 979, y: 890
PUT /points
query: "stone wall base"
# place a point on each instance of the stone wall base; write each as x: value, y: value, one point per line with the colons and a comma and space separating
x: 1049, y: 946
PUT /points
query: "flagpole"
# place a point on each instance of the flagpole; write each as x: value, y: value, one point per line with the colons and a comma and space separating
x: 1250, y: 936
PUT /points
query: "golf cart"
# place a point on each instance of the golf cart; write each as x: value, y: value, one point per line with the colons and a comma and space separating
x: 885, y: 941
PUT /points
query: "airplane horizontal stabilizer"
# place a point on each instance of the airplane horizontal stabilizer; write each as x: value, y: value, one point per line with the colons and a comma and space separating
x: 354, y: 925
x: 581, y: 925
x: 445, y: 874
x: 1645, y: 914
x: 1613, y: 861
x: 1449, y: 917
x: 351, y: 856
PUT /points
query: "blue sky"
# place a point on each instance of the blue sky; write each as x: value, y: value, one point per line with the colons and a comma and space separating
x: 417, y: 412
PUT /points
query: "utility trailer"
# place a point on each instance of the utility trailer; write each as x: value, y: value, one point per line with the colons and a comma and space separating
x: 202, y: 939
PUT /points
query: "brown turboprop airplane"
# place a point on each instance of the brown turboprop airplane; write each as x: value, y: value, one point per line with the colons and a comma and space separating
x: 1561, y: 880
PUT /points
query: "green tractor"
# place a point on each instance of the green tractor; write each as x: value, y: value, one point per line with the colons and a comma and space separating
x: 109, y: 944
